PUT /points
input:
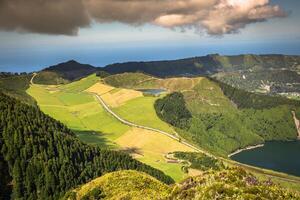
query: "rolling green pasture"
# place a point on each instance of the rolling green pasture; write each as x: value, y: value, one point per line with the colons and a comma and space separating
x: 82, y: 113
x: 142, y: 112
x: 79, y: 111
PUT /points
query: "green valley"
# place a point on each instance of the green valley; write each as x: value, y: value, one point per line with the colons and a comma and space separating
x: 182, y: 134
x: 75, y: 105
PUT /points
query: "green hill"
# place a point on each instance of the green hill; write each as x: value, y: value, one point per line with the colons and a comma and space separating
x: 271, y: 74
x: 16, y: 86
x: 128, y: 80
x: 122, y: 185
x: 207, y: 117
x: 42, y: 159
x: 233, y: 183
x: 215, y: 115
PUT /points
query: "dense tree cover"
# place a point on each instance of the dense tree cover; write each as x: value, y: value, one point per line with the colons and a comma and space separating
x: 200, y: 161
x: 233, y: 183
x: 218, y: 126
x: 220, y: 133
x: 102, y: 74
x: 245, y: 99
x: 271, y: 124
x: 45, y: 159
x: 5, y: 179
x: 172, y: 109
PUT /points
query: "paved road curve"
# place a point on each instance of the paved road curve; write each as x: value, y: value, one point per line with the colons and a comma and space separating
x: 279, y: 176
x: 31, y: 80
x: 105, y: 106
x: 252, y: 168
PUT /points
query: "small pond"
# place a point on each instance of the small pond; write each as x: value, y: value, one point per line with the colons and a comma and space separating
x: 154, y: 92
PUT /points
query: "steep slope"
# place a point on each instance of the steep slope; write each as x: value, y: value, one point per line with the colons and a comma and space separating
x: 64, y: 72
x: 232, y: 183
x: 16, y: 86
x: 75, y: 105
x: 44, y: 158
x: 215, y: 115
x: 221, y: 124
x: 122, y: 185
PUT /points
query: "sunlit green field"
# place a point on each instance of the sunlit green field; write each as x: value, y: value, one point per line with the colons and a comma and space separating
x: 82, y: 113
x: 79, y: 111
x: 141, y: 111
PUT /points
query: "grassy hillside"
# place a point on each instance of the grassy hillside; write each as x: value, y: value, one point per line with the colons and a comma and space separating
x: 223, y: 118
x: 128, y: 80
x: 73, y: 105
x: 142, y: 81
x: 122, y: 185
x: 44, y: 159
x: 141, y: 111
x: 79, y: 111
x: 233, y: 183
x: 49, y: 78
x: 16, y: 86
x: 221, y: 125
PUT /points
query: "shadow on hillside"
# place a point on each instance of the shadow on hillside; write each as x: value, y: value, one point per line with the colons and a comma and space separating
x: 133, y: 150
x: 94, y: 138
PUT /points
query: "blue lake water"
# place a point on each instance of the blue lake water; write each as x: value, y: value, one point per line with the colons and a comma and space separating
x: 277, y: 156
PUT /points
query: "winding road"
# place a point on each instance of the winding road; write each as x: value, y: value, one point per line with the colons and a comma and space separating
x: 251, y: 168
x: 31, y: 80
x: 106, y: 107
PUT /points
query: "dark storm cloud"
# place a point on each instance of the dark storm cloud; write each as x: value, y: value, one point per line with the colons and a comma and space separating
x: 43, y: 16
x: 215, y: 17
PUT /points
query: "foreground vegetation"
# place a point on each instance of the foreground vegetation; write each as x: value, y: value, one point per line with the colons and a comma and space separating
x: 122, y: 185
x: 232, y: 183
x: 43, y: 158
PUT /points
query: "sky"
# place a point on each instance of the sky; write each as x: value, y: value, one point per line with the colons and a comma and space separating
x: 38, y: 33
